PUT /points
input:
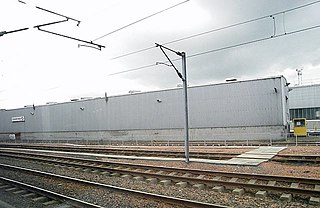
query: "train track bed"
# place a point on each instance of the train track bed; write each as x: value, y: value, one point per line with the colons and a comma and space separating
x: 170, y: 152
x: 285, y: 168
x: 298, y: 155
x: 223, y: 152
x: 107, y: 199
x: 100, y: 196
x: 205, y: 195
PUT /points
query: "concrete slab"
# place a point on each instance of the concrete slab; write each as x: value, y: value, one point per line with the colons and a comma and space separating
x: 115, y: 174
x: 138, y: 178
x: 271, y: 183
x: 182, y: 184
x: 252, y: 181
x: 233, y: 180
x: 294, y: 185
x: 218, y: 189
x: 286, y: 197
x: 166, y: 182
x: 199, y: 186
x: 255, y: 156
x: 262, y: 153
x: 245, y: 161
x: 238, y: 191
x: 152, y: 180
x: 21, y: 192
x: 29, y: 195
x: 40, y: 199
x: 314, y: 200
x: 201, y: 176
x: 52, y: 202
x: 272, y: 150
x: 261, y: 194
x: 126, y: 176
x: 105, y: 173
x: 12, y: 189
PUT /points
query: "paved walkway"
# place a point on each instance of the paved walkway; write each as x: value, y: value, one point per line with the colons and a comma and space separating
x: 253, y: 157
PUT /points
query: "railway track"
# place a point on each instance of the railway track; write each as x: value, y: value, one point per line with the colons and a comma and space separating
x: 150, y: 196
x: 238, y: 183
x: 130, y: 152
x: 310, y: 141
x: 38, y: 197
x: 285, y: 158
x: 288, y: 158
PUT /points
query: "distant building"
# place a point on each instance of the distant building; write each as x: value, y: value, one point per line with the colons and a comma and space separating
x: 247, y: 110
x: 304, y: 102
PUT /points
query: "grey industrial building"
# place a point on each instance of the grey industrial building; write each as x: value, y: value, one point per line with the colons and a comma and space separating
x: 304, y: 102
x: 251, y: 109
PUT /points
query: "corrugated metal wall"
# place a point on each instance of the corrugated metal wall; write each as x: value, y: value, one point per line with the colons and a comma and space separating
x: 305, y: 97
x: 246, y: 103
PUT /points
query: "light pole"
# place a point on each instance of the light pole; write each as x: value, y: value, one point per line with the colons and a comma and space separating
x: 183, y: 77
x: 185, y: 90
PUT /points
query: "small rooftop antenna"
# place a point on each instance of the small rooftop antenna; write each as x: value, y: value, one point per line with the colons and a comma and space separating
x: 299, y: 71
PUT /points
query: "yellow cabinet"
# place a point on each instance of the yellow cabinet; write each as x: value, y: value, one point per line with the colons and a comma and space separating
x: 300, y: 127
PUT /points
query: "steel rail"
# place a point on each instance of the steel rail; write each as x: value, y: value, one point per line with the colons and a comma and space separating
x: 158, y: 197
x: 205, y: 155
x: 212, y: 182
x: 52, y: 195
x: 50, y: 158
x: 195, y: 154
x: 286, y: 158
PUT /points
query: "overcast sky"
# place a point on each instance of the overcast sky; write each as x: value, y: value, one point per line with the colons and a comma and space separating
x: 38, y: 67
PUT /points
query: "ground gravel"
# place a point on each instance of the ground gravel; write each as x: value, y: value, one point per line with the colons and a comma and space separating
x: 229, y: 199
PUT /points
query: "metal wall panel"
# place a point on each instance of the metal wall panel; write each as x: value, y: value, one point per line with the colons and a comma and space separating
x: 247, y: 103
x: 307, y: 96
x: 238, y: 104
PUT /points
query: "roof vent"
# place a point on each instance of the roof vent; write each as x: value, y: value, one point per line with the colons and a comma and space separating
x: 231, y: 79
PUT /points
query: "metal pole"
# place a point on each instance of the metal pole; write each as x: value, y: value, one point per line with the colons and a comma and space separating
x: 185, y: 93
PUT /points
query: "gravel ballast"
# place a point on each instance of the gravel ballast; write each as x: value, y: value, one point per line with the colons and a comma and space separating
x: 209, y: 196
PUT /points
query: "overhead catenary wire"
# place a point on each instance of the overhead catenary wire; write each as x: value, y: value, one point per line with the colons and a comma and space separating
x: 67, y: 18
x: 72, y: 38
x: 134, y: 69
x: 254, y: 41
x: 55, y: 13
x: 140, y: 20
x: 284, y: 22
x: 12, y: 31
x: 220, y: 29
x: 223, y: 48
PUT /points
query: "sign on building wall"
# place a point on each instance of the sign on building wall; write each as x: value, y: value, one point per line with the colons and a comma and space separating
x: 17, y: 119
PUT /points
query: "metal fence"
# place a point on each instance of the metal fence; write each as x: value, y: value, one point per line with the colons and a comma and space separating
x: 223, y: 140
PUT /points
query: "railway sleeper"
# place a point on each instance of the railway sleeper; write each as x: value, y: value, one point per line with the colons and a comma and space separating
x: 138, y: 178
x: 182, y: 184
x: 284, y: 196
x: 152, y: 180
x: 238, y: 191
x: 33, y: 196
x: 218, y: 189
x: 314, y: 200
